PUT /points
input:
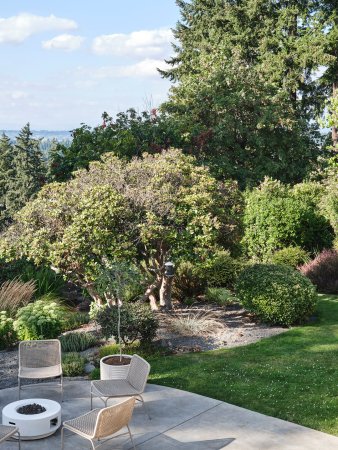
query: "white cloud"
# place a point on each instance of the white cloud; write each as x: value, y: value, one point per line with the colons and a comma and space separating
x: 67, y: 42
x: 146, y: 68
x: 18, y: 28
x: 144, y: 43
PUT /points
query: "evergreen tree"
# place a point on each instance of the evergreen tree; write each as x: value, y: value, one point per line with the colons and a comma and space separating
x: 245, y: 86
x: 6, y: 175
x: 29, y: 171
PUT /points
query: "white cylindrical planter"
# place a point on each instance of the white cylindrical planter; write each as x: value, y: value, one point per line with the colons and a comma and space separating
x: 33, y: 426
x: 113, y: 372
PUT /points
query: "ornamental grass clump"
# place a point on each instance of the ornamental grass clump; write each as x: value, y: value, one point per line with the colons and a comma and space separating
x: 14, y: 294
x: 77, y: 342
x: 200, y: 323
x: 323, y: 271
x: 276, y: 294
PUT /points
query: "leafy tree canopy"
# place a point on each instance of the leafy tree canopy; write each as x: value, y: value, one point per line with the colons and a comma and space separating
x: 146, y: 210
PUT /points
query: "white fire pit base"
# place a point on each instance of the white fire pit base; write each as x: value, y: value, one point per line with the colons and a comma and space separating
x: 33, y: 426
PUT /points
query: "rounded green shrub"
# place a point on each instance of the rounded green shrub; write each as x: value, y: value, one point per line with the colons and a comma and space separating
x: 8, y: 335
x: 222, y: 270
x: 278, y: 216
x: 138, y: 322
x: 290, y: 256
x: 42, y: 319
x: 276, y: 294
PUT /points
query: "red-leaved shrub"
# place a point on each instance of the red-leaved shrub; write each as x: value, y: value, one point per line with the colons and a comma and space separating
x: 323, y: 271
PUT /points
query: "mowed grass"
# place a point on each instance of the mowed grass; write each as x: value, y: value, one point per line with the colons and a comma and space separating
x: 293, y: 376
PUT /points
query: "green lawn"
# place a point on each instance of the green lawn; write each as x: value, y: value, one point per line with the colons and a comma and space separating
x: 293, y: 376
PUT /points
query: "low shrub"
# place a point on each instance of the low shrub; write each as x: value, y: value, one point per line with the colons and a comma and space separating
x: 195, y: 323
x: 276, y: 294
x: 77, y: 342
x: 75, y: 320
x: 14, y: 294
x: 42, y: 319
x: 189, y: 281
x: 73, y: 364
x: 222, y: 270
x: 138, y: 322
x: 221, y: 296
x: 290, y: 256
x: 8, y: 336
x: 323, y: 271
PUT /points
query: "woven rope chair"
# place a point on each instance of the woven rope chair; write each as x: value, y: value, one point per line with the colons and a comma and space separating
x: 133, y: 385
x: 101, y: 424
x: 40, y: 360
x: 7, y: 431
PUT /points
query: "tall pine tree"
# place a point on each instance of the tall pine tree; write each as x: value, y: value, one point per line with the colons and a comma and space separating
x: 245, y: 86
x: 6, y: 176
x: 29, y: 171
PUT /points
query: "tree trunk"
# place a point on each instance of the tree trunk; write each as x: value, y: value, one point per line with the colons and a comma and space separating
x: 335, y: 125
x: 165, y: 292
x: 150, y: 290
x: 153, y: 304
x: 94, y: 295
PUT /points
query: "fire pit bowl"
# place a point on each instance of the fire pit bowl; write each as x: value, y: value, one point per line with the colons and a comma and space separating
x: 36, y: 418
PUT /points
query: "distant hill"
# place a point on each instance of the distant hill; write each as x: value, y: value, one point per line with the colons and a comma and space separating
x: 41, y: 134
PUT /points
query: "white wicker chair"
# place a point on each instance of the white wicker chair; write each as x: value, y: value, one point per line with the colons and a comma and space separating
x: 101, y: 424
x: 133, y: 385
x: 40, y: 360
x: 8, y: 431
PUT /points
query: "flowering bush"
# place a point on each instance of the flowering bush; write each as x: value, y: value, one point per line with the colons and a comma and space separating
x: 323, y: 271
x: 7, y: 333
x: 42, y: 319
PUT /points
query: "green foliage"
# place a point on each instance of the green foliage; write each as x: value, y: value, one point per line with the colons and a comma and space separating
x: 290, y: 256
x: 7, y: 173
x: 77, y: 342
x: 8, y: 336
x: 189, y: 281
x: 42, y: 319
x: 222, y: 270
x: 143, y: 211
x: 244, y: 88
x: 137, y: 322
x: 29, y: 171
x: 75, y: 320
x: 221, y: 296
x: 276, y: 294
x: 73, y: 364
x: 278, y: 216
x: 329, y: 201
x: 129, y: 135
x: 47, y: 281
x: 143, y: 349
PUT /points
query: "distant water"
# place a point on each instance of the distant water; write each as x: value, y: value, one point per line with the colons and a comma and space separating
x: 41, y: 134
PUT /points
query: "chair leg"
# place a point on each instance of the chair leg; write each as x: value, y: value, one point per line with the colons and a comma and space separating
x: 61, y: 388
x: 62, y: 438
x: 19, y: 440
x: 145, y: 407
x: 19, y: 386
x: 131, y: 438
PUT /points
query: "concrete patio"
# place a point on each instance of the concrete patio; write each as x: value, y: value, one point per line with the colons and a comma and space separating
x: 180, y: 420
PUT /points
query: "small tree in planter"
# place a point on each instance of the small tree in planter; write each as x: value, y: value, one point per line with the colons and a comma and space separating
x: 112, y: 283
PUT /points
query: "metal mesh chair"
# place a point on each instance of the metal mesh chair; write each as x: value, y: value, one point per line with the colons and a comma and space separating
x: 40, y: 360
x: 133, y: 385
x: 100, y: 424
x: 7, y: 431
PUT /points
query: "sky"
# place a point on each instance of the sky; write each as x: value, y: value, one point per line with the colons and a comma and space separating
x: 65, y: 62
